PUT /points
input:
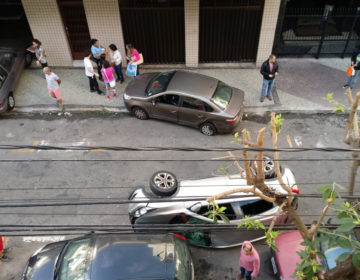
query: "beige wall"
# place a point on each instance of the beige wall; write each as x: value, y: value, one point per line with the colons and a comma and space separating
x: 46, y: 25
x: 268, y: 28
x: 104, y: 22
x: 191, y: 33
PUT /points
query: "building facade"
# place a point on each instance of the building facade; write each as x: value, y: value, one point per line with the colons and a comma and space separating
x: 195, y: 33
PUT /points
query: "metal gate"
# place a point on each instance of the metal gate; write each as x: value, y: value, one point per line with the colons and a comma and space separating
x: 229, y: 30
x: 318, y: 31
x: 155, y: 28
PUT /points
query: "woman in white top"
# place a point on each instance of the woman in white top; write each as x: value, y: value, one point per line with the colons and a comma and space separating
x: 39, y: 53
x: 115, y: 57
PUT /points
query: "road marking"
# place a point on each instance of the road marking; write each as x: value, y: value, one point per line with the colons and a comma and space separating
x: 26, y: 150
x: 43, y: 238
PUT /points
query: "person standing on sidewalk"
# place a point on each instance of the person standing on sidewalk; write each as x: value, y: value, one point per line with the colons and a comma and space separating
x: 269, y: 69
x: 133, y: 56
x: 90, y: 73
x: 98, y: 55
x: 53, y: 83
x: 3, y: 251
x: 355, y: 63
x: 115, y: 57
x: 249, y: 261
x: 108, y: 71
x: 39, y: 53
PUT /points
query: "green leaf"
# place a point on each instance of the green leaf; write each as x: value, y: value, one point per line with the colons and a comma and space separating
x: 346, y: 227
x: 343, y: 243
x: 326, y: 194
x: 323, y: 188
x: 356, y: 259
x: 343, y: 257
x: 224, y: 218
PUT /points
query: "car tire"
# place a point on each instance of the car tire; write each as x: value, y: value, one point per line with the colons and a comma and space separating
x: 139, y: 113
x: 11, y: 102
x: 163, y: 183
x: 208, y: 129
x: 268, y: 167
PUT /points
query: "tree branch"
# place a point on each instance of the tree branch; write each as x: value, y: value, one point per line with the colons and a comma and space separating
x: 351, y: 119
x: 277, y: 215
x: 249, y: 177
x: 315, y: 227
x: 260, y: 176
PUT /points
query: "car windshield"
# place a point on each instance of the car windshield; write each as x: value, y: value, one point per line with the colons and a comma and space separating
x: 3, y: 76
x: 6, y: 60
x: 159, y: 83
x: 75, y: 261
x: 222, y: 95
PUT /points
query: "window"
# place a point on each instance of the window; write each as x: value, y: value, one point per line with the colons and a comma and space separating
x: 229, y: 211
x: 192, y: 103
x: 222, y: 95
x: 255, y: 207
x: 3, y: 76
x: 208, y: 108
x: 159, y: 83
x: 169, y: 99
x: 6, y: 60
x: 75, y: 261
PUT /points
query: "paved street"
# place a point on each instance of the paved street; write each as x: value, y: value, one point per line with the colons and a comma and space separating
x: 31, y: 175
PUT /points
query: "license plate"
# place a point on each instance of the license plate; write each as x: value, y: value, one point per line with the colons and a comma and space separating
x: 274, y: 265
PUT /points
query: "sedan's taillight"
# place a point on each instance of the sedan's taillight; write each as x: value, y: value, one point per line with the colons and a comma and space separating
x: 0, y: 105
x: 232, y: 121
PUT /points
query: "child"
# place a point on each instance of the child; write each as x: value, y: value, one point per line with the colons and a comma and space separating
x: 109, y: 80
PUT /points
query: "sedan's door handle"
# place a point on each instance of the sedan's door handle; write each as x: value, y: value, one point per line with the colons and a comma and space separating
x: 200, y: 116
x: 174, y: 111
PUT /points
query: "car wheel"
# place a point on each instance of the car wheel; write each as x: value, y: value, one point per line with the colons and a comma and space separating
x: 163, y: 183
x: 268, y: 167
x: 140, y: 113
x: 11, y: 102
x: 208, y: 129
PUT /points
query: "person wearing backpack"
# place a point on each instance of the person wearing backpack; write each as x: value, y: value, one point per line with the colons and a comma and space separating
x: 355, y: 63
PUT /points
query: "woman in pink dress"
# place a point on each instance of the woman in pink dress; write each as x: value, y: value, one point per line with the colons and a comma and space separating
x: 132, y: 56
x: 107, y: 71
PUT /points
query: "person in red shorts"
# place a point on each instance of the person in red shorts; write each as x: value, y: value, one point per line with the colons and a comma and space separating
x: 3, y: 251
x: 53, y: 83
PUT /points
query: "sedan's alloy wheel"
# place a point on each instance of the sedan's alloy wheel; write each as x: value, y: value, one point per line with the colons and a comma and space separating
x: 164, y: 180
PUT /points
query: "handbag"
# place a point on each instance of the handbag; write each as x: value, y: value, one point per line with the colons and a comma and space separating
x: 131, y: 69
x: 350, y: 71
x: 141, y: 60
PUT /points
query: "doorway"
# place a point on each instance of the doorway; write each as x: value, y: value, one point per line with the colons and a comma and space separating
x: 76, y: 27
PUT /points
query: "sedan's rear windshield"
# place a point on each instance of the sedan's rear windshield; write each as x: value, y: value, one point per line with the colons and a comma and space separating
x: 222, y: 95
x: 159, y: 83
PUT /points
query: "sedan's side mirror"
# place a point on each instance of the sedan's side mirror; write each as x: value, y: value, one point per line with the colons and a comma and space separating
x: 195, y: 208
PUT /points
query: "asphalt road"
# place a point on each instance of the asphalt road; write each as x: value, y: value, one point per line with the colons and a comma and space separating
x: 29, y: 175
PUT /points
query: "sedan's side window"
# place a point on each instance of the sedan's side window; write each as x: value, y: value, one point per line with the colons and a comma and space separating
x: 3, y: 76
x: 192, y: 103
x: 255, y: 207
x: 169, y: 99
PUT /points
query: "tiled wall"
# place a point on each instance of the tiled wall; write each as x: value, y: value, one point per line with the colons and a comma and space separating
x: 104, y: 22
x: 267, y: 32
x: 191, y: 33
x: 46, y: 25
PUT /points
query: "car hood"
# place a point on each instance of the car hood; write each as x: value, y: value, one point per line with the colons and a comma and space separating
x: 136, y: 88
x: 288, y: 244
x: 42, y: 264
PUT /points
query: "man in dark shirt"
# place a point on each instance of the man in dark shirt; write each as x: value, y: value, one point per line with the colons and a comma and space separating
x: 355, y: 63
x: 269, y: 70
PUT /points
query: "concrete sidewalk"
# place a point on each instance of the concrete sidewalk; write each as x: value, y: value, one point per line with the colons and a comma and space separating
x: 301, y: 86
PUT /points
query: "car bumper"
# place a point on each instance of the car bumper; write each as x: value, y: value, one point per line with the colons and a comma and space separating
x: 4, y: 105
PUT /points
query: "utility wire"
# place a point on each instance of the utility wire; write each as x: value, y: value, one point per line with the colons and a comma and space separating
x: 181, y: 149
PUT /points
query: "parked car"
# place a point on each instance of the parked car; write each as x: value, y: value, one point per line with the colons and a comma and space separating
x: 284, y: 262
x: 186, y: 98
x: 175, y: 211
x: 113, y: 257
x: 12, y: 63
